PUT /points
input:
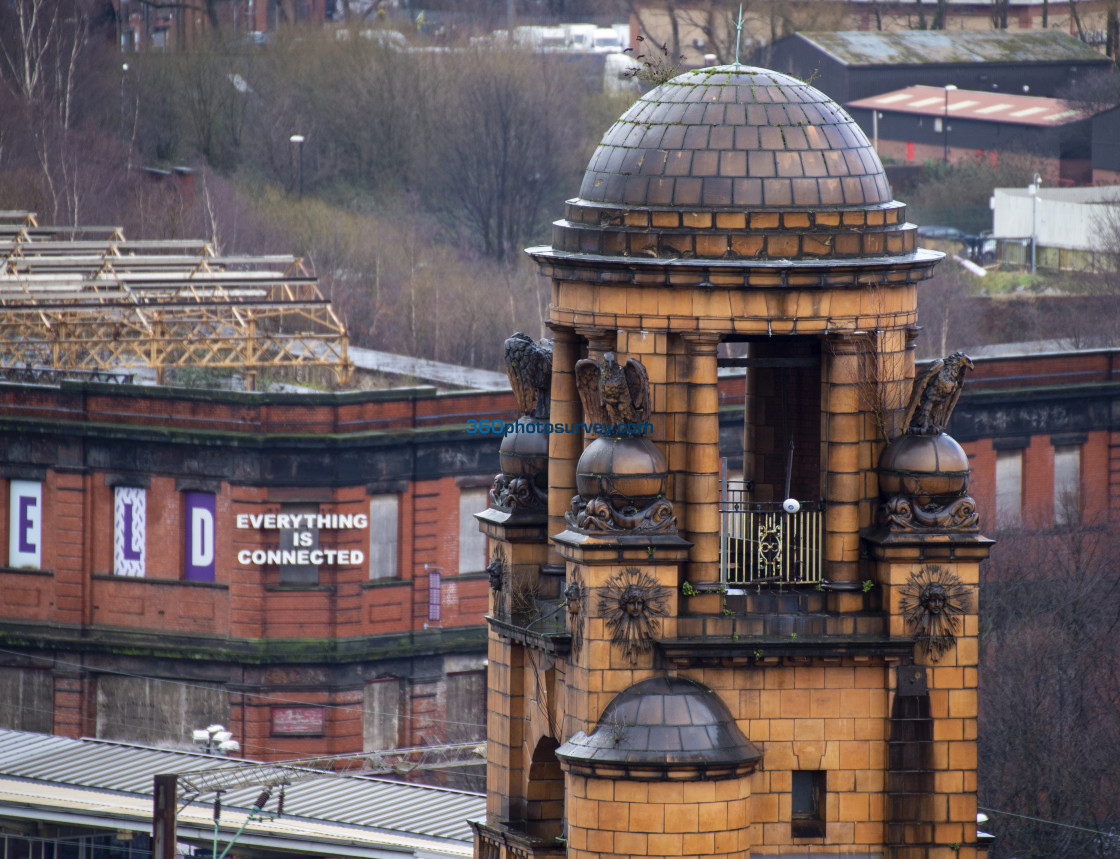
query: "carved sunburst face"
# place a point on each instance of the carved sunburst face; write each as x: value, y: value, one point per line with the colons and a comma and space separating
x: 632, y: 604
x: 934, y: 601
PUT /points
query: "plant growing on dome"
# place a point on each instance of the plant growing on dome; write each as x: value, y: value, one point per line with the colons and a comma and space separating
x: 658, y: 65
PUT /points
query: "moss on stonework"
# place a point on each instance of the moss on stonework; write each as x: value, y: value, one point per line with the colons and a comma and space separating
x: 247, y: 650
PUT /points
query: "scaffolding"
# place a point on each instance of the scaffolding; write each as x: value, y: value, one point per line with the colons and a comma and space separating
x: 81, y: 300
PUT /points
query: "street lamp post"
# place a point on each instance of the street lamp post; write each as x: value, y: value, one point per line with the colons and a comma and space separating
x: 945, y: 121
x: 298, y: 139
x: 124, y: 75
x: 1032, y: 189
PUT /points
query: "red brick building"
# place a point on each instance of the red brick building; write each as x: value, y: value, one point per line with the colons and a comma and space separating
x: 302, y: 568
x: 1042, y: 437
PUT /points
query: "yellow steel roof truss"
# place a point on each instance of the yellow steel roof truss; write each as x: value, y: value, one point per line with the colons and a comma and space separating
x: 88, y: 299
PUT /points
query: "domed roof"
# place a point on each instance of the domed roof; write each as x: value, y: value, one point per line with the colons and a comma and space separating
x: 735, y: 136
x: 660, y: 723
x: 735, y: 163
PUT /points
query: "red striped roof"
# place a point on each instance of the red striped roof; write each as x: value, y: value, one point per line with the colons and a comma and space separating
x: 976, y: 104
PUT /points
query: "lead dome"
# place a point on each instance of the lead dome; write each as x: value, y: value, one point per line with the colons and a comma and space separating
x: 735, y: 162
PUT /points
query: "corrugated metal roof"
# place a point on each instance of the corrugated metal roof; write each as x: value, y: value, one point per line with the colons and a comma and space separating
x: 392, y: 806
x: 975, y: 104
x: 915, y: 47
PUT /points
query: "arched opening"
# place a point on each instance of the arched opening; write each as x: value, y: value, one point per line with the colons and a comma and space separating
x: 761, y: 541
x: 544, y: 806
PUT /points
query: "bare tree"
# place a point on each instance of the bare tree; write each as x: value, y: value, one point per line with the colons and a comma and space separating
x: 1050, y: 692
x: 1094, y: 92
x: 504, y: 145
x: 39, y: 42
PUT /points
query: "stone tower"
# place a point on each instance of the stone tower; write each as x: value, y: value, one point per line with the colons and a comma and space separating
x: 685, y: 662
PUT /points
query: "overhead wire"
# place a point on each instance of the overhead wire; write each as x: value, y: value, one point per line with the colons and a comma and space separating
x: 1050, y: 822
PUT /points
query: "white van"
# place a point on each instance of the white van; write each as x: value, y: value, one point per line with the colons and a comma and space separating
x: 605, y: 40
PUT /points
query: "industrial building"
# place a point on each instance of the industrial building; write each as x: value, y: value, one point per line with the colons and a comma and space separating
x: 925, y: 123
x: 851, y: 65
x: 94, y: 798
x: 1067, y: 229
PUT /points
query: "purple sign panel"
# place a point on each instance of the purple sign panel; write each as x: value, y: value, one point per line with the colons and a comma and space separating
x: 199, y: 549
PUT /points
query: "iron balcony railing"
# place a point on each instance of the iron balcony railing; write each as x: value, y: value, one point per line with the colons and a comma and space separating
x: 761, y: 543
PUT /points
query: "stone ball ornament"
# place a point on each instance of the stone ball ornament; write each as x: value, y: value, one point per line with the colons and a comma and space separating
x: 522, y: 487
x: 923, y: 473
x: 628, y: 472
x: 928, y: 469
x: 524, y: 450
x: 621, y: 476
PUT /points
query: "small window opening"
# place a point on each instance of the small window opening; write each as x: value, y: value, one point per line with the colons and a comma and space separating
x: 808, y: 804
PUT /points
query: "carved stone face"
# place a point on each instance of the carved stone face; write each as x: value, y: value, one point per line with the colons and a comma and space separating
x: 934, y: 597
x: 633, y: 601
x: 572, y: 598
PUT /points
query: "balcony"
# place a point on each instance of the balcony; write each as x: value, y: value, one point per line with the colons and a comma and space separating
x: 760, y: 543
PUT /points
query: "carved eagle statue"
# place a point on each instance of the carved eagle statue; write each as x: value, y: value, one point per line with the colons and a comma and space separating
x: 935, y: 395
x: 613, y: 394
x: 529, y: 367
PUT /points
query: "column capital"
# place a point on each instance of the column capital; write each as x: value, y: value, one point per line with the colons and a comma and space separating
x: 912, y: 332
x: 702, y: 342
x: 847, y: 342
x: 560, y: 330
x: 599, y: 340
x: 592, y: 333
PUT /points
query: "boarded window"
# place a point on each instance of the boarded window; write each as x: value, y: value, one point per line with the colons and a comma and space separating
x: 383, y: 529
x: 26, y: 700
x: 303, y: 538
x: 145, y: 710
x: 466, y: 706
x: 381, y: 708
x: 1009, y: 488
x: 472, y: 542
x: 1067, y: 484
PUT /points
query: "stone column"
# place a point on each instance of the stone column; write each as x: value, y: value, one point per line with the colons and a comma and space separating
x: 564, y: 448
x: 599, y: 341
x: 920, y: 822
x: 843, y: 481
x: 701, y: 483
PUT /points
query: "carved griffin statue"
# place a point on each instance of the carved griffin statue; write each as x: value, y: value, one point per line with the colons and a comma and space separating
x: 613, y: 394
x: 529, y: 367
x: 935, y: 395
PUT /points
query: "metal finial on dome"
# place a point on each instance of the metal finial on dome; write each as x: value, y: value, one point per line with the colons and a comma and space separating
x: 738, y: 33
